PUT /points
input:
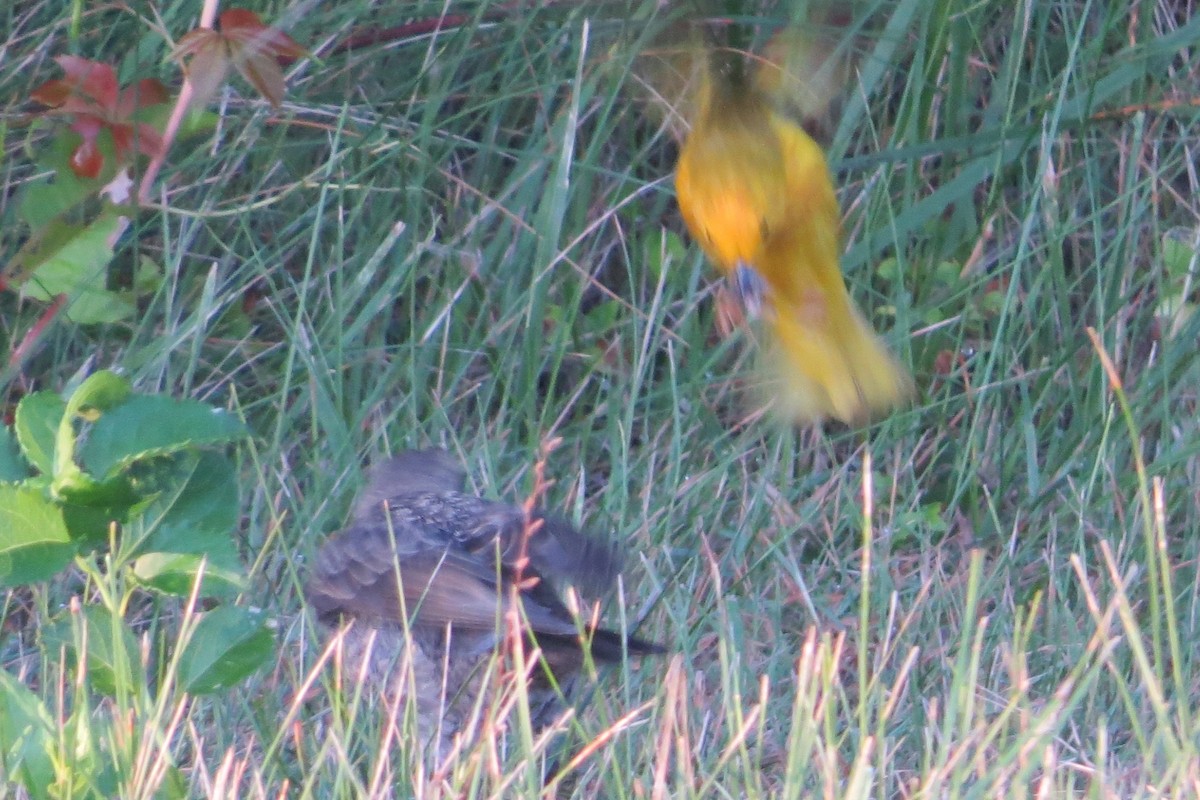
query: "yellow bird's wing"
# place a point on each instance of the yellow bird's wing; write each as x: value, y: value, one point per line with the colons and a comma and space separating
x: 829, y: 360
x: 805, y: 70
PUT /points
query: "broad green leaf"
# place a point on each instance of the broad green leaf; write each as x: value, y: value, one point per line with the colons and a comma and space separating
x: 48, y: 199
x: 1180, y: 256
x: 43, y: 202
x: 33, y: 538
x: 28, y: 737
x: 101, y: 392
x: 175, y: 574
x: 229, y: 644
x: 148, y: 276
x: 146, y: 426
x: 36, y: 425
x: 88, y: 526
x: 195, y: 512
x: 98, y: 306
x: 97, y: 394
x: 67, y: 259
x: 12, y: 466
x: 111, y: 654
x: 78, y: 488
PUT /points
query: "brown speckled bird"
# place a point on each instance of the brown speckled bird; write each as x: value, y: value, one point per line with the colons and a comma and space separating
x: 419, y: 546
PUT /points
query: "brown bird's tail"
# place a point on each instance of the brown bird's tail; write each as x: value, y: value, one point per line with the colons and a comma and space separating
x: 564, y: 655
x: 608, y: 646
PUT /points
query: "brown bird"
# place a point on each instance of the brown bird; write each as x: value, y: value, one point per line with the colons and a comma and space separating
x: 421, y: 553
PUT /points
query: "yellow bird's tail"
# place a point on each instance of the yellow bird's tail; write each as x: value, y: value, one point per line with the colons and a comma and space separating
x: 816, y: 368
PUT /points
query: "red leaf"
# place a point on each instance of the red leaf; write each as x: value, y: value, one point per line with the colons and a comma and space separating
x: 264, y: 74
x: 130, y: 138
x: 232, y: 19
x: 90, y: 96
x: 87, y: 160
x: 148, y: 142
x: 93, y: 79
x: 51, y: 93
x: 122, y: 136
x: 88, y: 126
x: 242, y: 27
x: 243, y: 41
x: 207, y: 70
x: 143, y: 94
x: 193, y: 42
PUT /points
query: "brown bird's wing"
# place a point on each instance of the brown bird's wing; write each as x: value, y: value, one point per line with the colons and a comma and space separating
x: 410, y: 472
x: 419, y: 546
x: 425, y: 488
x: 556, y: 550
x: 359, y: 574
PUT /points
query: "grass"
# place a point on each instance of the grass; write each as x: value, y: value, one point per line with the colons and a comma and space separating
x: 468, y: 239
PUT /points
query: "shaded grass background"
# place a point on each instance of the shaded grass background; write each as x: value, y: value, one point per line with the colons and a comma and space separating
x: 468, y: 239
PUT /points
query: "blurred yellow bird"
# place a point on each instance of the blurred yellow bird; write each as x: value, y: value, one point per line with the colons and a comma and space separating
x: 756, y: 192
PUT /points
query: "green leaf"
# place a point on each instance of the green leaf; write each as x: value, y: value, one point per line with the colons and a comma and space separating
x: 111, y: 654
x: 28, y: 737
x: 36, y: 425
x: 1179, y: 255
x: 946, y: 273
x: 101, y: 392
x: 33, y: 538
x: 48, y: 199
x: 12, y: 466
x: 195, y: 513
x: 78, y: 488
x: 98, y: 306
x: 889, y: 270
x: 228, y: 645
x: 71, y: 260
x: 88, y: 525
x: 146, y: 426
x: 175, y: 574
x: 148, y: 276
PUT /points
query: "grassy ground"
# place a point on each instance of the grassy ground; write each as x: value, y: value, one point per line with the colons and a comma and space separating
x: 468, y: 239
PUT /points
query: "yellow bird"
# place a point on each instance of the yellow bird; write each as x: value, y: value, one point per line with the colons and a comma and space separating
x: 756, y: 192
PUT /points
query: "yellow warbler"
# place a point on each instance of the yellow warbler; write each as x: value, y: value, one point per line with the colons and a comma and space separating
x: 756, y: 192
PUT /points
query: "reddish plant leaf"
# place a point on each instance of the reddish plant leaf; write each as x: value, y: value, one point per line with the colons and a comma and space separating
x: 88, y: 126
x: 87, y: 160
x: 193, y: 42
x: 51, y: 94
x: 243, y: 42
x: 209, y: 63
x: 94, y: 80
x: 243, y: 29
x: 149, y: 142
x: 263, y: 73
x: 144, y: 139
x: 89, y: 94
x: 143, y: 94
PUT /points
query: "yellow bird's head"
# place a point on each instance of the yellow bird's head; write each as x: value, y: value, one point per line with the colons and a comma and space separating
x: 730, y: 180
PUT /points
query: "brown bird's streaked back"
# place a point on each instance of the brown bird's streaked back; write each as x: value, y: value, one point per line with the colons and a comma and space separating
x: 421, y: 552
